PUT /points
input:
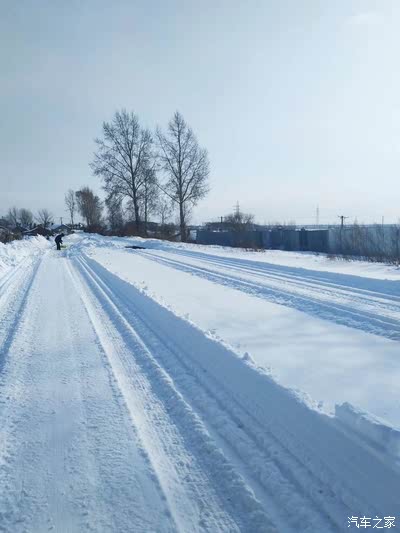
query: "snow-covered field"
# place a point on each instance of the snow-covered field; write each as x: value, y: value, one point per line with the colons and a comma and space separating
x: 185, y: 388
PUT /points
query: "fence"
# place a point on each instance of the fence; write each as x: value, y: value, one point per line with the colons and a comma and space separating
x: 372, y: 242
x: 378, y: 242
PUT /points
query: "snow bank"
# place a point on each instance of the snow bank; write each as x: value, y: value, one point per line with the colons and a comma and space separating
x: 375, y: 431
x: 13, y: 253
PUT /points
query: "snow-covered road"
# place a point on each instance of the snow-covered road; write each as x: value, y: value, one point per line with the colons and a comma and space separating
x: 69, y: 458
x: 116, y: 414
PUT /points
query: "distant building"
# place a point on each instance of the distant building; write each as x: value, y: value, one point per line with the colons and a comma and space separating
x: 60, y: 228
x: 37, y: 230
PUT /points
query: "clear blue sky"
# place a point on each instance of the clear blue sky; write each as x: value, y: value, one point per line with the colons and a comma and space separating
x: 297, y: 101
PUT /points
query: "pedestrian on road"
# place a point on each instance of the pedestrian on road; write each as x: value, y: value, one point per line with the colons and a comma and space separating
x: 58, y: 240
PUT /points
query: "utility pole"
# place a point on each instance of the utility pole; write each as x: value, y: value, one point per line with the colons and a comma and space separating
x: 342, y: 219
x: 237, y: 208
x: 61, y: 220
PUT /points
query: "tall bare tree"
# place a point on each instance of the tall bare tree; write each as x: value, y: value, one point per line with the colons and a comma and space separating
x: 149, y: 195
x: 90, y: 206
x: 186, y: 167
x: 164, y: 209
x: 44, y: 217
x: 13, y: 216
x: 25, y: 217
x: 70, y: 202
x: 122, y: 158
x: 115, y: 214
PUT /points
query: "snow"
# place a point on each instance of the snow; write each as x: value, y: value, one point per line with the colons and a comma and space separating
x: 328, y: 361
x: 301, y: 260
x: 15, y: 252
x: 370, y: 428
x: 64, y: 426
x: 185, y: 389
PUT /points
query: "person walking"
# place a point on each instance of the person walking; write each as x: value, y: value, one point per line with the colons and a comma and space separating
x: 58, y: 240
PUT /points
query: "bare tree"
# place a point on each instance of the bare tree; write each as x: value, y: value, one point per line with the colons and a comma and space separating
x: 186, y: 167
x: 115, y: 213
x: 70, y: 202
x: 122, y: 158
x: 150, y: 194
x: 164, y: 210
x: 90, y: 207
x: 25, y: 217
x: 239, y: 221
x: 44, y: 217
x: 13, y: 216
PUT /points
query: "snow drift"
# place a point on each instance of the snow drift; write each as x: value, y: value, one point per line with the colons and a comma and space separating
x: 13, y: 253
x: 376, y: 432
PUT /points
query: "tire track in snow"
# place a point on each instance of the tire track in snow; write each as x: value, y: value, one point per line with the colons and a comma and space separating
x: 72, y: 460
x: 214, y: 405
x: 348, y: 310
x: 9, y: 275
x: 308, y: 279
x: 282, y: 461
x: 14, y: 290
x: 203, y: 490
x: 371, y: 287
